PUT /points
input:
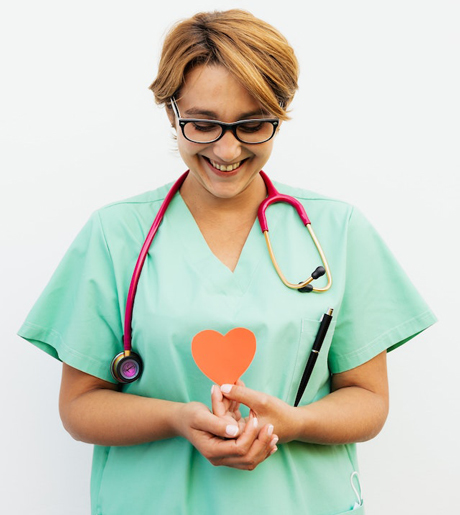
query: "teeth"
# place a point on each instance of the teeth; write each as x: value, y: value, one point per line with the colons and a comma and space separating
x: 224, y: 168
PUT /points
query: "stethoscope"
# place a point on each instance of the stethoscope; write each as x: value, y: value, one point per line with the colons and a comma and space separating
x: 127, y: 366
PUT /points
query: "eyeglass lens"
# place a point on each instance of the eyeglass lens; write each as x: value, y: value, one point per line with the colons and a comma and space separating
x: 248, y: 132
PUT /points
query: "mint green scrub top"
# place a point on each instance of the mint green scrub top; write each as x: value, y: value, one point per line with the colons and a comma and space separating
x: 185, y: 289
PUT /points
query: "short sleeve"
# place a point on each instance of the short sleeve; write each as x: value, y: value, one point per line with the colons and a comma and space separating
x: 77, y: 317
x: 381, y: 309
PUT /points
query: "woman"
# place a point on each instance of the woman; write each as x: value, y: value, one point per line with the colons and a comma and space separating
x: 158, y: 439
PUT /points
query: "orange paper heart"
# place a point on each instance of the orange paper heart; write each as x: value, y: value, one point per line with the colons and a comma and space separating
x: 224, y: 358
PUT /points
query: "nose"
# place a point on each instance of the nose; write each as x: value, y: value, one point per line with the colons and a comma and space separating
x: 228, y: 148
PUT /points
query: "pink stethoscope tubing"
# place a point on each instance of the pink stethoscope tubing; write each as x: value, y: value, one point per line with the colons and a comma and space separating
x: 127, y: 337
x: 273, y: 197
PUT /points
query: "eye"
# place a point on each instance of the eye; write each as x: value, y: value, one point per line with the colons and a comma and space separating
x: 252, y: 126
x: 204, y: 126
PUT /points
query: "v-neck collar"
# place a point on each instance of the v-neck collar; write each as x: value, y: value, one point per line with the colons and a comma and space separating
x: 204, y: 261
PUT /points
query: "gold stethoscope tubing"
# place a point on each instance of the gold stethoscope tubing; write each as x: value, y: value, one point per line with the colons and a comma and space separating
x: 310, y: 279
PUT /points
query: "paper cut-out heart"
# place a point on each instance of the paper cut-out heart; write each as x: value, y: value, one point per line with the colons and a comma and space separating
x: 224, y: 358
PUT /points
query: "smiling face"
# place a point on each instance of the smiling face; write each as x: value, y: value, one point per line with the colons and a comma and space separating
x: 227, y: 168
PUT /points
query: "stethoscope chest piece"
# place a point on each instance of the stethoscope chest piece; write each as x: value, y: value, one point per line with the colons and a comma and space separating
x: 126, y: 367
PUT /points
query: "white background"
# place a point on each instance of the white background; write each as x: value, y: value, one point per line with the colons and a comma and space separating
x: 375, y: 122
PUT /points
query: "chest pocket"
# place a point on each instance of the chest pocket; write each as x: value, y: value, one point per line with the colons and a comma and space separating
x: 319, y: 383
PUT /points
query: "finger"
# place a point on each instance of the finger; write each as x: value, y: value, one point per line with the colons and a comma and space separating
x: 244, y: 442
x: 239, y: 382
x: 241, y: 424
x: 242, y: 394
x: 262, y: 447
x: 234, y: 408
x: 217, y: 449
x: 224, y: 408
x: 219, y: 408
x: 266, y: 436
x: 265, y: 444
x: 235, y: 405
x: 275, y: 448
x: 237, y: 414
x: 215, y: 425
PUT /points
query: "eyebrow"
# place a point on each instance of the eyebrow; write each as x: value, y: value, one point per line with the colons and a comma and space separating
x: 211, y: 115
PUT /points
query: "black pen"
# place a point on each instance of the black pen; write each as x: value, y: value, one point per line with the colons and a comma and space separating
x: 319, y: 339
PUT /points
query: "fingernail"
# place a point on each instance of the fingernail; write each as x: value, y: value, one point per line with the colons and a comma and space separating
x: 255, y: 422
x: 270, y: 430
x: 274, y: 441
x: 212, y: 389
x: 273, y: 451
x: 231, y: 430
x: 226, y: 388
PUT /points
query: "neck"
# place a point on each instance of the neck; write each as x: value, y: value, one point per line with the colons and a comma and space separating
x: 244, y: 205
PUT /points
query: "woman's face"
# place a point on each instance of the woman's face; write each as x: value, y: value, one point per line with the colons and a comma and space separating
x: 227, y: 167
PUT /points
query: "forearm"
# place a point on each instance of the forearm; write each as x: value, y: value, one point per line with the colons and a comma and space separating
x: 351, y: 414
x: 108, y: 417
x: 95, y: 411
x: 354, y: 411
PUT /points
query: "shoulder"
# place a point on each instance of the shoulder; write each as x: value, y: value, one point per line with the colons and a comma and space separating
x: 134, y: 211
x: 148, y: 199
x: 127, y: 219
x: 318, y: 203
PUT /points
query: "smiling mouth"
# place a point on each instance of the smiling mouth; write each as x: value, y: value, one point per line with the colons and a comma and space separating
x: 225, y: 168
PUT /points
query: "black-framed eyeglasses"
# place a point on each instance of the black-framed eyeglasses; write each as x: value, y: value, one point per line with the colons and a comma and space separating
x: 250, y: 132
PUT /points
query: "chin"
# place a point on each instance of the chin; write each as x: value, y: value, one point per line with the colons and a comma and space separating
x: 224, y: 192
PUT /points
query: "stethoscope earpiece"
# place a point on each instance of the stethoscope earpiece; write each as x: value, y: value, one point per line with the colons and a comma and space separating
x: 318, y: 272
x: 126, y: 367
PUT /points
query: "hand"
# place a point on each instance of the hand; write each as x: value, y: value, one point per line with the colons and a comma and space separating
x: 225, y: 408
x: 212, y: 437
x: 266, y: 408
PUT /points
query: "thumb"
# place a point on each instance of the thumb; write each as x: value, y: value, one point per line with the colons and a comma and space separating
x: 217, y: 426
x: 242, y: 394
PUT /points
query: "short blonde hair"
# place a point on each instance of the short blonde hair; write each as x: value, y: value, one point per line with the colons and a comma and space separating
x: 257, y: 54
